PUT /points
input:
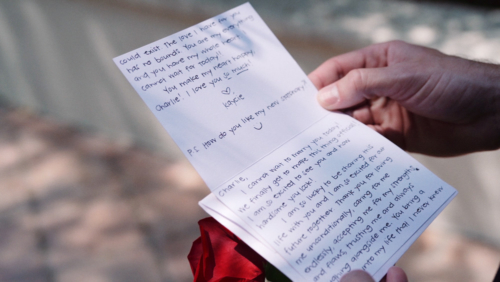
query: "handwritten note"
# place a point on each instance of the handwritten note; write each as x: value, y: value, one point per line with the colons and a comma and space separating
x: 316, y: 193
x: 223, y: 89
x: 335, y: 198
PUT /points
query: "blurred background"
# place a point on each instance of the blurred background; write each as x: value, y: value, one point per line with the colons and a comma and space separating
x: 93, y: 189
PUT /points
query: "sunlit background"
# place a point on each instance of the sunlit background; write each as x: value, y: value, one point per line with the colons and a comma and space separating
x: 93, y: 189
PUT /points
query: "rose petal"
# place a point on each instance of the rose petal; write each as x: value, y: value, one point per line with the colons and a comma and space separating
x: 223, y: 256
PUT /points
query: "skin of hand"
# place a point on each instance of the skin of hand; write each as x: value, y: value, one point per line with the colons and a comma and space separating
x: 395, y: 274
x: 422, y: 100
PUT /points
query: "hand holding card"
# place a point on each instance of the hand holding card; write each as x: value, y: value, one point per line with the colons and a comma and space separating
x: 317, y: 194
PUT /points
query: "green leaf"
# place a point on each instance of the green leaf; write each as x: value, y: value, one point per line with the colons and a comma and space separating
x: 273, y: 274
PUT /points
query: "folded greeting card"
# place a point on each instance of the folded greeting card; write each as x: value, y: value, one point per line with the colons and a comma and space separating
x: 316, y: 193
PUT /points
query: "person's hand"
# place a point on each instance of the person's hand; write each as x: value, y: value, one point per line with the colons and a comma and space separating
x: 422, y: 100
x: 395, y: 274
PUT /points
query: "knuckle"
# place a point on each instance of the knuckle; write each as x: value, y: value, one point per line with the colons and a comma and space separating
x: 397, y: 43
x: 357, y: 80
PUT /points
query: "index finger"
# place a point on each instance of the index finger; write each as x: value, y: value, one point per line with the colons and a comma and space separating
x: 335, y: 68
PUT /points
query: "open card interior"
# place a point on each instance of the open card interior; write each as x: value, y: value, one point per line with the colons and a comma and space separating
x: 316, y: 193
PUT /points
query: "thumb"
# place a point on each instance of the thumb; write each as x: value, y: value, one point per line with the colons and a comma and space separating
x: 357, y: 86
x: 357, y: 276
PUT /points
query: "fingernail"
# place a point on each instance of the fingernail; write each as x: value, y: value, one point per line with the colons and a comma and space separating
x: 329, y: 97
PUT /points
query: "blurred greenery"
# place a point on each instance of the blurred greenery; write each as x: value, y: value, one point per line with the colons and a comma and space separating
x: 483, y: 3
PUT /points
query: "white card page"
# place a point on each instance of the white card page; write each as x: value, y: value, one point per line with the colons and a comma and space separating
x: 315, y: 193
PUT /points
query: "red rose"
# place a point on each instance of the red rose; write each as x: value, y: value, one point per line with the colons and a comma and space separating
x: 218, y: 255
